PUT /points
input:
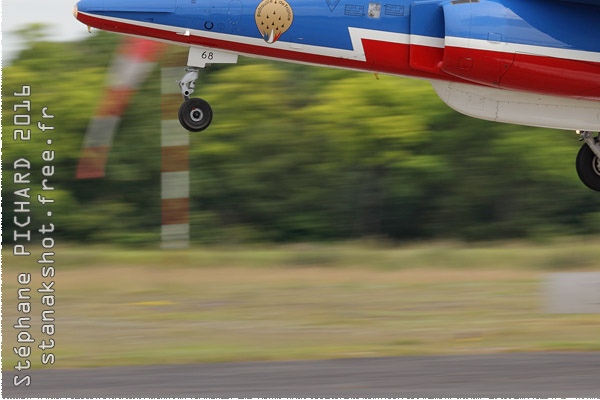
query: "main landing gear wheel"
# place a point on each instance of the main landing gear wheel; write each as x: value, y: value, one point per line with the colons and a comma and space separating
x: 195, y: 115
x: 588, y: 167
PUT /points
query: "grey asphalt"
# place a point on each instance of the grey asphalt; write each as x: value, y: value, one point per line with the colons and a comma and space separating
x: 501, y: 375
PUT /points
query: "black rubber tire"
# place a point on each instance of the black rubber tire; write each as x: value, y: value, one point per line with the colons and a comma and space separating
x: 588, y: 167
x: 195, y: 115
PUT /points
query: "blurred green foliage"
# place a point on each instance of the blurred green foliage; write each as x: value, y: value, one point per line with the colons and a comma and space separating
x: 295, y: 153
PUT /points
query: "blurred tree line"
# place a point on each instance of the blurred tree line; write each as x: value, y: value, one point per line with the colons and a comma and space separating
x: 295, y: 153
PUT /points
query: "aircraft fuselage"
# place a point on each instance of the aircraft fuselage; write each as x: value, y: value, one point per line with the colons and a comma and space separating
x: 545, y: 47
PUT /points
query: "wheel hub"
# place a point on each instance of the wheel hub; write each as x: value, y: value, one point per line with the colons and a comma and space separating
x: 196, y: 115
x: 596, y: 165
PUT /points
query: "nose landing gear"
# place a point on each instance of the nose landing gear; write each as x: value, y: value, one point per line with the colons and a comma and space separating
x: 588, y: 160
x: 195, y: 114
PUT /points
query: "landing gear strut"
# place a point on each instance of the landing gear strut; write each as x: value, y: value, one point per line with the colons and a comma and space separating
x: 588, y: 160
x: 195, y: 114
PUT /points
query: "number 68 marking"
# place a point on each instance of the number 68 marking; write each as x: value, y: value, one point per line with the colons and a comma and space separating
x: 207, y: 55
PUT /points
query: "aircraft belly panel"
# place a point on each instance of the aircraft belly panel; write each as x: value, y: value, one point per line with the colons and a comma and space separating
x: 519, y: 107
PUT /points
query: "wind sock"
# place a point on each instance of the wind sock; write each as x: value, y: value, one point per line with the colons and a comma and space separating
x: 130, y: 67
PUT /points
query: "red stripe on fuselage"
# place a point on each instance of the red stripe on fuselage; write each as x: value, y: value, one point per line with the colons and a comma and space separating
x: 554, y: 76
x: 519, y: 71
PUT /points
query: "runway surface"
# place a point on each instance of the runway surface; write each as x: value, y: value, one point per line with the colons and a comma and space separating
x: 503, y: 375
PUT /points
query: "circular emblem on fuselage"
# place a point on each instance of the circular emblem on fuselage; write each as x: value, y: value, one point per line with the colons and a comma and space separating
x: 273, y: 18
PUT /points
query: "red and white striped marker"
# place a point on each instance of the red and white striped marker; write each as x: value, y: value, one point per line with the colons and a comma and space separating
x: 131, y: 66
x: 175, y: 176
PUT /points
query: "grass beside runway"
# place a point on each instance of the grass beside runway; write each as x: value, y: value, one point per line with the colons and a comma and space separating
x: 127, y: 307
